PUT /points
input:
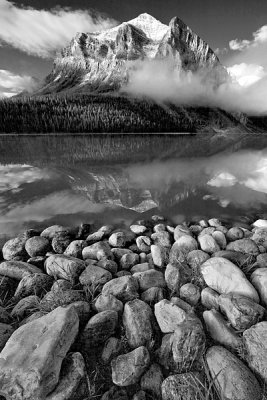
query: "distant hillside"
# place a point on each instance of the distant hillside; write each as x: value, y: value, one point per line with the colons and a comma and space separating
x: 81, y: 113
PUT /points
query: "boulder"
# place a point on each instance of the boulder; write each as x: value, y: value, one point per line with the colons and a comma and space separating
x: 190, y: 293
x: 75, y: 248
x: 210, y: 299
x: 138, y: 321
x: 169, y: 316
x: 151, y: 381
x: 94, y: 276
x: 124, y: 288
x: 127, y: 261
x: 31, y: 360
x: 97, y: 251
x: 112, y: 348
x: 160, y: 255
x: 108, y: 265
x: 196, y: 257
x: 234, y: 234
x: 5, y: 333
x: 37, y: 246
x: 4, y: 316
x: 220, y: 239
x: 143, y: 243
x: 51, y: 231
x: 148, y: 279
x: 35, y: 284
x: 225, y: 277
x: 25, y: 307
x: 54, y: 299
x: 260, y: 237
x: 208, y: 244
x: 118, y: 239
x: 182, y: 386
x: 17, y: 269
x: 73, y: 380
x: 64, y: 267
x: 246, y: 246
x: 162, y: 239
x: 181, y: 230
x: 259, y: 281
x: 138, y: 229
x: 141, y: 268
x: 185, y: 244
x: 153, y: 295
x: 232, y: 378
x: 98, y: 329
x: 220, y: 331
x: 241, y: 311
x: 108, y: 302
x: 260, y: 223
x: 14, y: 248
x: 128, y: 368
x: 255, y: 341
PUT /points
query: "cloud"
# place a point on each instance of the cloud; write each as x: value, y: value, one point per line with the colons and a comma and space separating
x: 12, y: 177
x: 11, y: 84
x: 259, y: 38
x: 42, y: 32
x: 247, y: 74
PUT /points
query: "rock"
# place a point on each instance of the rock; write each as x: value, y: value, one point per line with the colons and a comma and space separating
x: 225, y: 277
x: 119, y: 253
x: 148, y: 279
x: 246, y: 246
x: 210, y: 299
x: 190, y: 293
x: 64, y: 267
x: 124, y: 288
x: 182, y: 386
x: 108, y: 302
x: 262, y: 260
x: 115, y: 393
x: 51, y: 231
x: 195, y: 229
x: 95, y: 276
x: 162, y: 239
x: 203, y: 223
x: 83, y: 231
x: 185, y: 244
x: 101, y: 234
x: 98, y: 329
x: 17, y: 269
x: 122, y: 273
x: 197, y: 257
x: 138, y: 321
x: 157, y: 218
x: 182, y: 304
x: 127, y: 261
x: 188, y: 343
x: 220, y: 331
x: 260, y: 237
x: 73, y: 380
x: 180, y: 231
x: 232, y: 379
x: 234, y: 233
x: 25, y: 306
x: 260, y: 223
x: 5, y: 333
x: 54, y: 299
x: 75, y: 248
x: 32, y: 317
x: 138, y: 229
x: 35, y: 284
x: 220, y: 239
x: 214, y: 222
x: 208, y: 244
x: 112, y: 348
x: 153, y: 295
x: 159, y: 255
x: 7, y: 287
x: 82, y: 309
x: 151, y: 381
x: 140, y: 395
x: 37, y: 246
x: 14, y: 248
x: 236, y: 257
x: 109, y: 265
x: 118, y: 239
x: 255, y: 341
x: 40, y: 347
x: 169, y: 316
x: 97, y: 251
x: 128, y: 368
x: 143, y: 243
x: 175, y: 276
x: 61, y: 285
x: 141, y: 268
x: 4, y: 316
x: 241, y: 311
x: 37, y: 261
x: 259, y: 281
x: 159, y: 228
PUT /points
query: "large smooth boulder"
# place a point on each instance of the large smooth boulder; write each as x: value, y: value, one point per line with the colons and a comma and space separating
x: 241, y: 311
x: 208, y: 244
x: 128, y: 368
x: 185, y: 244
x: 37, y: 246
x: 259, y: 281
x: 138, y: 321
x: 31, y: 360
x: 232, y: 378
x: 75, y: 248
x: 17, y: 269
x: 95, y: 276
x: 255, y: 340
x: 246, y: 246
x: 14, y: 248
x: 220, y: 331
x: 125, y: 288
x: 169, y: 316
x: 183, y: 387
x: 73, y: 380
x: 160, y: 255
x: 64, y: 267
x: 225, y: 277
x: 97, y: 251
x: 51, y: 231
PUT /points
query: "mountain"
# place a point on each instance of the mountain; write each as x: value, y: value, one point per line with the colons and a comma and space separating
x: 102, y: 61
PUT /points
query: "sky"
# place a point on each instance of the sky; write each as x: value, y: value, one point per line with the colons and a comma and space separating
x: 31, y: 31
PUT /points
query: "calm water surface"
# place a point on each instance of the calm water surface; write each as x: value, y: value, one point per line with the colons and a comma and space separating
x: 118, y: 179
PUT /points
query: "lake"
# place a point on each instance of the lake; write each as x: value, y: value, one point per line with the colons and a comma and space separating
x: 69, y: 179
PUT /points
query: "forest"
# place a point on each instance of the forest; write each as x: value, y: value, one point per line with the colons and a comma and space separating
x: 85, y: 113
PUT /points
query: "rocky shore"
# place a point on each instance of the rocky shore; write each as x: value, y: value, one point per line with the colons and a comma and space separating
x: 154, y: 311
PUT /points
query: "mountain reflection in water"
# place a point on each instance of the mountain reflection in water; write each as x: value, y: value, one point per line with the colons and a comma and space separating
x: 116, y: 179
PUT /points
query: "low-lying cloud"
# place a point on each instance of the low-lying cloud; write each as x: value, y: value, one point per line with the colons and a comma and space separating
x: 42, y: 32
x: 12, y: 84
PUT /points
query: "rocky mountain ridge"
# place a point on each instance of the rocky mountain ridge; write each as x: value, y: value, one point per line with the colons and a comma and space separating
x: 103, y: 61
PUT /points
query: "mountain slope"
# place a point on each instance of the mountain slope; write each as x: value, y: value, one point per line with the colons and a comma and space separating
x: 102, y: 61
